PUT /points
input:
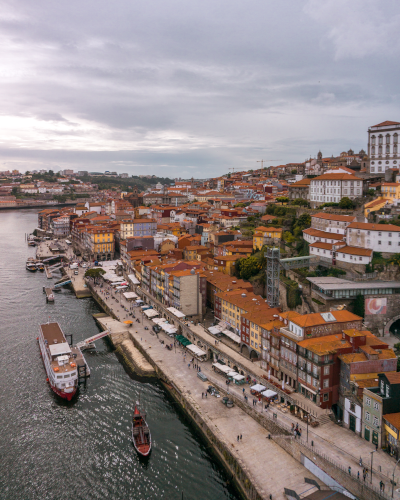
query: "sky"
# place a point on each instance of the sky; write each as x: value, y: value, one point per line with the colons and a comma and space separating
x: 182, y: 89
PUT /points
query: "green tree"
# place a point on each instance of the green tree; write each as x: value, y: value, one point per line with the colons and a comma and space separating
x: 249, y: 267
x: 371, y: 192
x: 359, y: 305
x: 288, y: 237
x: 282, y: 199
x: 300, y: 202
x: 383, y: 222
x: 14, y: 191
x: 345, y: 203
x: 294, y: 171
x: 395, y: 259
x: 94, y: 273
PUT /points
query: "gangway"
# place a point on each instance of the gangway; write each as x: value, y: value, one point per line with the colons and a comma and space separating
x: 86, y: 343
x: 299, y: 262
x: 52, y: 258
x: 67, y: 282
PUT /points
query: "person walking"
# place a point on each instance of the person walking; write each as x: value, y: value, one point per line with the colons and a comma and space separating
x: 381, y: 486
x: 238, y: 438
x: 349, y: 470
x: 360, y: 462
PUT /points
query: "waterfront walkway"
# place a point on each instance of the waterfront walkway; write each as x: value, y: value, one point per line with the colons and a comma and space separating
x: 340, y: 444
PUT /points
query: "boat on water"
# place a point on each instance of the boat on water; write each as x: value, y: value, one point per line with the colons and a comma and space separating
x: 31, y: 265
x: 141, y: 436
x: 60, y: 362
x: 40, y: 266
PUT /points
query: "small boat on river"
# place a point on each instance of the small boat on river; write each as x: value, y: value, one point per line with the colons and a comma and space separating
x: 141, y: 436
x: 31, y: 265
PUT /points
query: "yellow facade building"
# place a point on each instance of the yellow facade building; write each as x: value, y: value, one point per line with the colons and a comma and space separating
x: 263, y: 235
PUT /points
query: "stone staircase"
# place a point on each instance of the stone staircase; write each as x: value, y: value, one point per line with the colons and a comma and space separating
x: 324, y: 419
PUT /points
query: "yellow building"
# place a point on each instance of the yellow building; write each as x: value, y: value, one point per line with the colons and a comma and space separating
x: 391, y: 190
x: 100, y: 243
x: 263, y: 234
x: 375, y: 205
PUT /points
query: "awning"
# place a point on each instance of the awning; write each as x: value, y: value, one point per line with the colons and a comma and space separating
x: 223, y: 368
x: 183, y: 340
x: 130, y: 295
x: 158, y: 321
x: 124, y: 287
x: 214, y: 330
x: 307, y: 389
x: 150, y: 313
x: 133, y: 279
x: 233, y: 336
x: 175, y: 312
x: 238, y: 377
x: 196, y: 350
x: 269, y: 394
x: 232, y: 374
x: 258, y: 388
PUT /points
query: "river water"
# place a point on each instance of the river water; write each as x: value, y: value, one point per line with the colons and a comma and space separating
x: 51, y: 449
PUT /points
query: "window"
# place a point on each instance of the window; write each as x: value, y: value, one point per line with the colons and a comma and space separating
x: 326, y: 397
x: 376, y: 421
x: 368, y: 401
x: 326, y: 383
x: 379, y: 242
x: 326, y: 370
x: 352, y: 407
x: 387, y: 390
x: 367, y: 416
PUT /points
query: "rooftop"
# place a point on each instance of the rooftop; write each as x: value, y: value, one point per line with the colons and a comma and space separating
x: 331, y: 283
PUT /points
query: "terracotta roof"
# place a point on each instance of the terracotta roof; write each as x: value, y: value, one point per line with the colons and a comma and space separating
x: 336, y: 177
x: 386, y: 124
x: 362, y: 252
x: 341, y: 218
x: 302, y: 183
x: 394, y: 419
x: 324, y: 246
x: 322, y: 234
x: 325, y: 345
x: 374, y: 227
x: 390, y: 184
x: 394, y: 378
x: 315, y: 319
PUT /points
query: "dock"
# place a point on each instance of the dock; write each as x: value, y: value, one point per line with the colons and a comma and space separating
x: 48, y: 272
x: 49, y: 294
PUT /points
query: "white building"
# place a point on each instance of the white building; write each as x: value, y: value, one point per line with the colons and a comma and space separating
x: 331, y: 223
x: 332, y: 187
x: 377, y: 237
x: 340, y: 252
x: 352, y: 411
x: 383, y: 146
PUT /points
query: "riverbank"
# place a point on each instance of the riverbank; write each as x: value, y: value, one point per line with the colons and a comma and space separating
x: 246, y: 460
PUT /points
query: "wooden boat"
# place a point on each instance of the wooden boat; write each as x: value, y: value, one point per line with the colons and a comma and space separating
x: 141, y: 436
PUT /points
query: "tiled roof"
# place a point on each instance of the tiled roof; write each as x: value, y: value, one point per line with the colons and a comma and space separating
x: 340, y: 218
x: 325, y: 345
x: 374, y: 227
x: 322, y: 234
x: 386, y: 124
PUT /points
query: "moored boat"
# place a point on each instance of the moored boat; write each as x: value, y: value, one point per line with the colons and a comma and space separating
x: 40, y: 266
x: 141, y: 436
x: 59, y: 361
x: 31, y: 265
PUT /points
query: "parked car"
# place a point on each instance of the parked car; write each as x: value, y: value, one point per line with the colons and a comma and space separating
x: 76, y: 272
x: 83, y: 265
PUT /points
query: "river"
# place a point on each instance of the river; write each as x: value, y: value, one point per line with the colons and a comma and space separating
x: 51, y: 449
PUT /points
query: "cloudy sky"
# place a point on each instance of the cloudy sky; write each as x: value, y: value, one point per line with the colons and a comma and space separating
x: 184, y: 88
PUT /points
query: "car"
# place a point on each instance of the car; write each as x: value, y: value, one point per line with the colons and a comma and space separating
x: 76, y: 272
x: 83, y: 265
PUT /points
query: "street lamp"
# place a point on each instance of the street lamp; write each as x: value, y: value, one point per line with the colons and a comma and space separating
x: 395, y: 465
x: 372, y: 456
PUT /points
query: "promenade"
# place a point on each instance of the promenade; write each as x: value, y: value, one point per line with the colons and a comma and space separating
x: 339, y: 444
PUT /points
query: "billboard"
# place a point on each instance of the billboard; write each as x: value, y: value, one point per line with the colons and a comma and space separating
x: 375, y: 306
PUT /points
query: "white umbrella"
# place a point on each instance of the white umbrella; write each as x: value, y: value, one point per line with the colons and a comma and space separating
x: 269, y: 374
x: 283, y: 385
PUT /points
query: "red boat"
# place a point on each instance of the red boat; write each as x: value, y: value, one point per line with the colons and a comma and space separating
x: 141, y: 436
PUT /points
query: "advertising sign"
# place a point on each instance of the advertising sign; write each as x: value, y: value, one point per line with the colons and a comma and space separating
x: 375, y: 306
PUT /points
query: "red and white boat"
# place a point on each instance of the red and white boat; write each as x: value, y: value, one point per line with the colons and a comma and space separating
x: 59, y: 360
x: 141, y: 436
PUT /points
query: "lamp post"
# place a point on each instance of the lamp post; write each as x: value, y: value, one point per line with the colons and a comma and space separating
x: 394, y: 468
x: 372, y: 456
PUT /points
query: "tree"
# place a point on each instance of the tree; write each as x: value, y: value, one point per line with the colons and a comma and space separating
x: 14, y: 191
x: 345, y: 203
x: 300, y: 202
x: 395, y: 259
x: 282, y: 199
x: 94, y: 273
x: 249, y: 267
x: 383, y: 222
x: 371, y: 192
x: 294, y: 171
x: 288, y: 237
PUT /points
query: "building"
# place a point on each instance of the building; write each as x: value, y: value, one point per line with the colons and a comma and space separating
x: 138, y: 227
x: 383, y: 146
x: 391, y: 425
x: 343, y: 256
x: 383, y: 238
x: 332, y: 187
x: 61, y: 226
x: 331, y: 223
x: 220, y: 282
x: 300, y: 190
x: 99, y: 243
x: 391, y: 192
x: 266, y: 236
x: 380, y: 401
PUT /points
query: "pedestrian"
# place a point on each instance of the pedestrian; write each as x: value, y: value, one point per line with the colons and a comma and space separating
x: 360, y: 462
x: 380, y: 486
x: 349, y: 470
x: 358, y: 475
x: 238, y: 438
x: 243, y: 390
x: 188, y: 365
x: 206, y: 395
x: 376, y: 447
